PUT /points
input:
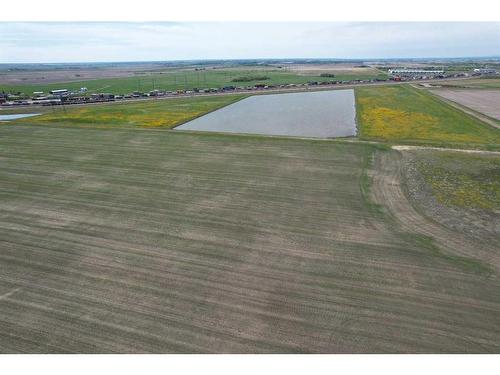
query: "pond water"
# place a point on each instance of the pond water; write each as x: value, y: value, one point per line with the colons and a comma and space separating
x: 16, y: 116
x: 319, y: 114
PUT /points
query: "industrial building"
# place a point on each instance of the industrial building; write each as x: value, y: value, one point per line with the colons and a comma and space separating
x: 485, y: 71
x: 59, y: 92
x: 415, y: 72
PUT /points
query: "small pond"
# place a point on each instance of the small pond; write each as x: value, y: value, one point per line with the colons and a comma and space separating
x: 16, y: 116
x: 319, y: 114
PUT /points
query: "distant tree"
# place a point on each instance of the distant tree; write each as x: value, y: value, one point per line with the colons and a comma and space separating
x: 250, y: 78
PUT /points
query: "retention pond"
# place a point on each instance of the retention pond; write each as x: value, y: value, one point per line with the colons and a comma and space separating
x: 321, y: 114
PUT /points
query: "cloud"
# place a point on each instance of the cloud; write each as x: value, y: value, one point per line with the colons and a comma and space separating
x: 134, y: 41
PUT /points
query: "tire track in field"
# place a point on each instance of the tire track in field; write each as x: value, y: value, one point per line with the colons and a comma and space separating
x: 388, y: 191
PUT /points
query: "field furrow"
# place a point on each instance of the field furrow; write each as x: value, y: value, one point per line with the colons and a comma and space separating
x: 133, y: 241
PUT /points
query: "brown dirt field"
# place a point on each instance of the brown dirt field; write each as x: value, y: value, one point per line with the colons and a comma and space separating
x: 46, y: 76
x: 131, y: 241
x: 326, y: 68
x: 481, y: 100
x: 317, y: 67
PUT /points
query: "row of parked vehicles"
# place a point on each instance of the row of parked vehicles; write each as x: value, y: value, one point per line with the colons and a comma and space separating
x: 64, y: 96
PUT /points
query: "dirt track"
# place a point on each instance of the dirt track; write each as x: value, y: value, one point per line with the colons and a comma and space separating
x: 408, y: 148
x: 389, y: 190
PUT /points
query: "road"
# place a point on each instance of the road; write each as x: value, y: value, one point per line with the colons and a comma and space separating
x: 261, y: 91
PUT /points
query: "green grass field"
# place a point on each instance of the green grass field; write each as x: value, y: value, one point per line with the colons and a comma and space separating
x: 181, y: 80
x: 165, y: 113
x: 132, y: 241
x: 407, y: 115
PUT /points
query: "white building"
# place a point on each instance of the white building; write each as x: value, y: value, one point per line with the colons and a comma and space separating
x: 415, y: 72
x: 485, y: 71
x: 59, y: 92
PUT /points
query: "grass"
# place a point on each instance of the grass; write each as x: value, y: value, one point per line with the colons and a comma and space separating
x: 467, y: 181
x: 126, y: 240
x: 471, y: 265
x: 166, y: 113
x: 404, y: 114
x: 182, y: 80
x: 23, y: 109
x: 365, y: 184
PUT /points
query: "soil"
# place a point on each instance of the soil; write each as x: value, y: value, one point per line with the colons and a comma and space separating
x: 481, y: 100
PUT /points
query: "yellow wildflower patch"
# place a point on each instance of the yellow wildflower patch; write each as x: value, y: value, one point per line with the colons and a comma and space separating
x: 405, y: 113
x: 161, y: 113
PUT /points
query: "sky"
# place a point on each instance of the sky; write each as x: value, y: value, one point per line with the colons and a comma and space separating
x: 51, y: 42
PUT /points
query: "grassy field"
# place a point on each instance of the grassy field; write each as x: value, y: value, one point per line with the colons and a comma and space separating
x: 117, y: 240
x: 181, y: 80
x: 463, y: 180
x: 405, y: 114
x: 159, y: 113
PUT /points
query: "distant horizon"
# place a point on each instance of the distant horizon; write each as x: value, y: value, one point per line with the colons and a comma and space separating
x: 493, y: 57
x: 142, y: 42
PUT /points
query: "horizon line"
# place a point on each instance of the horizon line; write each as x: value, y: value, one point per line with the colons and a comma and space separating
x: 256, y: 59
